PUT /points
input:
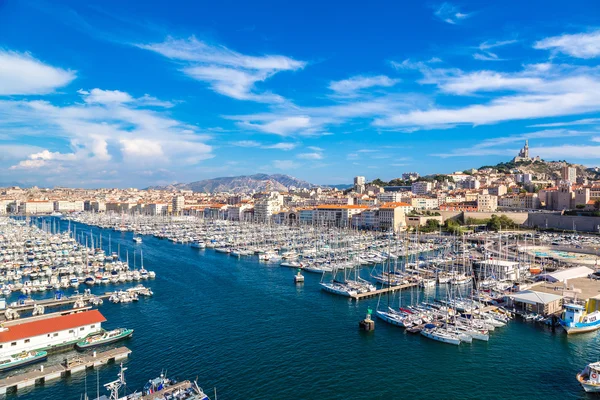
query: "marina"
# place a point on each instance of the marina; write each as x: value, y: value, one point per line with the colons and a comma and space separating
x: 258, y: 283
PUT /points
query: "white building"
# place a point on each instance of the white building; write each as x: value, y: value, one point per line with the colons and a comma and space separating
x: 68, y: 206
x: 394, y: 197
x: 410, y: 176
x: 359, y: 184
x: 178, y: 204
x: 306, y: 216
x: 569, y: 174
x: 265, y: 208
x: 424, y: 203
x: 336, y: 215
x: 4, y: 205
x: 487, y: 203
x: 501, y: 270
x: 37, y: 207
x: 421, y: 187
x: 156, y: 209
x: 237, y: 212
x: 392, y: 216
x: 48, y: 331
x: 367, y: 219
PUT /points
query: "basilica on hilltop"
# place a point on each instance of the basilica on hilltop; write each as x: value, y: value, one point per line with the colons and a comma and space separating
x: 523, y: 155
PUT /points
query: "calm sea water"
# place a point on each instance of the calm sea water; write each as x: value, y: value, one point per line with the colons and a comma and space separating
x: 245, y: 328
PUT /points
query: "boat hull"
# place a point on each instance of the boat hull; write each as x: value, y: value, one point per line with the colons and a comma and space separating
x: 580, y: 327
x: 42, y: 356
x: 589, y: 387
x: 444, y: 339
x: 83, y: 345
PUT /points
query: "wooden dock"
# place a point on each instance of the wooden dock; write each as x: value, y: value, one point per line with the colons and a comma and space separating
x: 70, y: 366
x: 383, y: 290
x: 48, y: 303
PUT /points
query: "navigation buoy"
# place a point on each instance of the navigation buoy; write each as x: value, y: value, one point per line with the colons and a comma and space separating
x: 367, y: 324
x: 299, y: 278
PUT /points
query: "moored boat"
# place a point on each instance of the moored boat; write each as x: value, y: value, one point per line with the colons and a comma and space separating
x: 590, y: 378
x: 22, y: 359
x: 575, y: 319
x: 105, y: 337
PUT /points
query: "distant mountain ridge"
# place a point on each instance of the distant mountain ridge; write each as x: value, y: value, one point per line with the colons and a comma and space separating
x: 240, y: 184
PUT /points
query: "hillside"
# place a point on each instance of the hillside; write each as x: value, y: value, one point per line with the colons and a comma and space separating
x: 239, y: 184
x: 544, y: 169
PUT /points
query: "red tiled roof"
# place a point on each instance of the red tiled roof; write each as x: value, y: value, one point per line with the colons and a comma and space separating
x: 340, y: 206
x: 49, y: 325
x: 395, y: 204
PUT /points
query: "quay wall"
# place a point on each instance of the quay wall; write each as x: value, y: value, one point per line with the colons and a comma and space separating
x: 518, y: 217
x: 563, y: 222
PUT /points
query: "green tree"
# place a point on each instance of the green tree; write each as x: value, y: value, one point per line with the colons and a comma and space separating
x: 431, y: 225
x: 494, y: 223
x: 453, y: 227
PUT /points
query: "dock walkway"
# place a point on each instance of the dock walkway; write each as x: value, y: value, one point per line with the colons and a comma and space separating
x: 76, y: 364
x: 383, y: 290
x: 84, y: 300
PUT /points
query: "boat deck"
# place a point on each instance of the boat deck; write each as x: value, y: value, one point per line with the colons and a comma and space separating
x: 164, y: 392
x: 44, y: 374
x: 383, y: 290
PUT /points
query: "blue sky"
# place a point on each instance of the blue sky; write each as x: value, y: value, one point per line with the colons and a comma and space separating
x: 129, y: 94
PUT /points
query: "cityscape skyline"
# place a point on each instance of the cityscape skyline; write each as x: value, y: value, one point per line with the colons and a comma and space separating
x: 91, y: 97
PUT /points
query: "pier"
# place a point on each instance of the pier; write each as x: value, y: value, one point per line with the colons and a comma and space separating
x: 383, y: 290
x: 65, y: 301
x: 66, y: 368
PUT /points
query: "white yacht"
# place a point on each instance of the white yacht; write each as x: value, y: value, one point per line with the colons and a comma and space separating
x: 339, y: 289
x: 431, y: 331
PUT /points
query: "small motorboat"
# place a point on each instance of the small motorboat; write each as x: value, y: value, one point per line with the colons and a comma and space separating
x: 590, y: 378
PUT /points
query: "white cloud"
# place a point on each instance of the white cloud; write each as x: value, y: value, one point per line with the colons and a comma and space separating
x: 9, y: 152
x: 585, y: 121
x: 147, y: 100
x: 310, y: 156
x: 581, y: 45
x: 497, y: 146
x: 315, y: 148
x: 285, y: 164
x: 141, y: 148
x: 282, y: 126
x: 490, y: 45
x: 569, y: 152
x: 350, y: 86
x: 47, y: 155
x: 542, y: 90
x: 314, y: 121
x: 246, y: 143
x: 282, y: 146
x: 29, y: 164
x: 450, y: 13
x: 40, y: 159
x: 21, y: 74
x: 253, y: 143
x: 487, y: 56
x: 108, y: 126
x: 105, y: 96
x: 226, y: 71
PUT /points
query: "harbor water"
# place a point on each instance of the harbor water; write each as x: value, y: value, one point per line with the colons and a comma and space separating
x: 243, y: 327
